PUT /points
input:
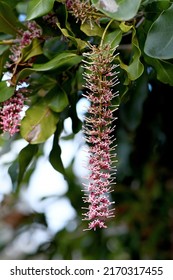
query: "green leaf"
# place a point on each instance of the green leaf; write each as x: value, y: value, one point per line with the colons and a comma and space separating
x: 164, y: 70
x: 124, y: 27
x: 39, y: 123
x: 62, y: 62
x: 159, y: 42
x: 53, y: 46
x: 25, y: 157
x: 55, y: 154
x: 38, y: 8
x: 119, y: 10
x: 5, y: 92
x: 135, y: 68
x: 57, y: 99
x: 55, y: 159
x: 91, y: 29
x: 8, y: 21
x: 3, y: 59
x: 77, y: 41
x: 113, y: 38
x: 33, y: 49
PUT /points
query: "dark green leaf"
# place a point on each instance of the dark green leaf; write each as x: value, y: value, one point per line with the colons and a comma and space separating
x: 55, y: 159
x: 5, y: 91
x: 39, y: 123
x: 8, y: 21
x: 159, y: 42
x: 3, y: 59
x: 13, y: 172
x: 164, y: 70
x: 119, y: 10
x: 55, y: 154
x: 38, y: 8
x: 53, y: 46
x: 57, y: 99
x: 25, y: 157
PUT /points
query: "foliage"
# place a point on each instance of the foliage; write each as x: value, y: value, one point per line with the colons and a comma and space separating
x: 51, y: 66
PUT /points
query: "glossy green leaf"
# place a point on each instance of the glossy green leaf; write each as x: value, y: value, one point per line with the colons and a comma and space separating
x: 62, y: 61
x: 57, y: 99
x: 159, y: 41
x: 39, y: 123
x: 8, y: 21
x: 118, y: 9
x: 113, y: 38
x: 164, y: 70
x: 135, y: 68
x: 33, y: 49
x: 38, y: 8
x: 5, y: 91
x: 25, y: 157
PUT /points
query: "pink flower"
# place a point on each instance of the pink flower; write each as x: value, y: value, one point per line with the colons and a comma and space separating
x: 100, y: 79
x: 10, y: 113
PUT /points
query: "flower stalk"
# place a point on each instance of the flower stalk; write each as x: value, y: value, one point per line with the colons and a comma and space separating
x: 101, y: 78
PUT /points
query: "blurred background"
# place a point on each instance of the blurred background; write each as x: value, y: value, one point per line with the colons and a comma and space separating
x: 43, y: 220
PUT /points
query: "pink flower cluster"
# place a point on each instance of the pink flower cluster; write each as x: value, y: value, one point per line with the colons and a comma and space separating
x: 10, y: 113
x: 101, y: 77
x: 33, y: 31
x: 52, y: 19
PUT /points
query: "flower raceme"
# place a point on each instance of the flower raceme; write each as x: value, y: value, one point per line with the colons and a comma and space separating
x: 81, y: 10
x: 101, y: 78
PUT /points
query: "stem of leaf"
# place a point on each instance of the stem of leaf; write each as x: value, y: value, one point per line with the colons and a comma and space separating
x: 104, y: 33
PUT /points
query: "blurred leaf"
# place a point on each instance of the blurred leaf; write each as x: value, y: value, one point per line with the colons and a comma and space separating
x: 38, y: 8
x: 5, y: 91
x: 8, y: 21
x: 164, y: 69
x: 119, y: 10
x: 159, y: 41
x: 53, y: 46
x: 57, y: 99
x: 25, y: 157
x: 3, y: 59
x: 39, y: 123
x: 13, y: 172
